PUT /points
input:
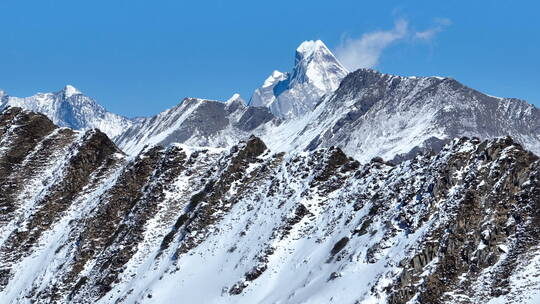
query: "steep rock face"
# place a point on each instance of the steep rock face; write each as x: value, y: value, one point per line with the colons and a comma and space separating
x: 316, y: 72
x: 70, y: 108
x: 373, y: 114
x: 84, y: 223
x: 196, y: 122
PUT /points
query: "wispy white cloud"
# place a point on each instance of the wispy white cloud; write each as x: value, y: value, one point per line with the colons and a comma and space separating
x: 428, y: 34
x: 366, y: 51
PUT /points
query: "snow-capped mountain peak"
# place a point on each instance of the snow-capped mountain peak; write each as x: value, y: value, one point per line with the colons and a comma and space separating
x: 274, y: 78
x: 70, y: 90
x: 70, y: 108
x: 236, y: 98
x: 315, y: 63
x: 308, y: 47
x: 235, y: 104
x: 316, y: 72
x: 314, y: 50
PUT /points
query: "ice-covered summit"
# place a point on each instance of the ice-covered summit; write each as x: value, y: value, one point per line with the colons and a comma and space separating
x: 70, y: 90
x: 315, y: 63
x: 316, y: 72
x: 274, y: 78
x: 310, y: 46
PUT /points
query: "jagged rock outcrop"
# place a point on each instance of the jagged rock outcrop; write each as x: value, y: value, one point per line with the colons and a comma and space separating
x: 82, y: 222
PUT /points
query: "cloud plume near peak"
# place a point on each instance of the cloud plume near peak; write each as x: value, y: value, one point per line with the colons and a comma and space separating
x: 365, y: 51
x: 430, y: 33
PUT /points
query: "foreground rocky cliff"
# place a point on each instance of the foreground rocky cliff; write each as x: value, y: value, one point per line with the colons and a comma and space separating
x: 81, y: 222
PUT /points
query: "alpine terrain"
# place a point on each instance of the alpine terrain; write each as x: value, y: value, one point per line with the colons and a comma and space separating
x: 327, y: 186
x: 365, y: 113
x: 70, y: 108
x: 316, y: 72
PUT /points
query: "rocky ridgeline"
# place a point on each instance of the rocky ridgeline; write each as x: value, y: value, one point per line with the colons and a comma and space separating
x: 81, y: 222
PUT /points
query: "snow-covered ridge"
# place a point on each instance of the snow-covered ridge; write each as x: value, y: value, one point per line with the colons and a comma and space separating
x: 374, y: 114
x: 196, y: 122
x: 248, y: 225
x: 370, y: 114
x: 71, y: 108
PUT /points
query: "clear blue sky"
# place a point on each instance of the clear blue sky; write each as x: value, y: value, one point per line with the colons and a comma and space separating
x: 141, y: 57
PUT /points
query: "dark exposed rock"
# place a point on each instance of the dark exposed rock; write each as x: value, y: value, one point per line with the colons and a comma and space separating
x: 127, y: 198
x: 20, y: 133
x: 458, y: 247
x: 254, y: 117
x: 339, y: 245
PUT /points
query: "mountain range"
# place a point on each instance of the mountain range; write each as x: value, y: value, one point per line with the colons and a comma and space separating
x: 318, y: 104
x: 327, y: 186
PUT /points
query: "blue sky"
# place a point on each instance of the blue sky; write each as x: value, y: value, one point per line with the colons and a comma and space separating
x: 141, y: 57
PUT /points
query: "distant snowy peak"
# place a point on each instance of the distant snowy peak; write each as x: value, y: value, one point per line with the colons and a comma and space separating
x: 315, y: 63
x: 69, y: 91
x: 316, y: 72
x: 235, y: 99
x: 69, y: 107
x: 274, y: 78
x: 265, y: 96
